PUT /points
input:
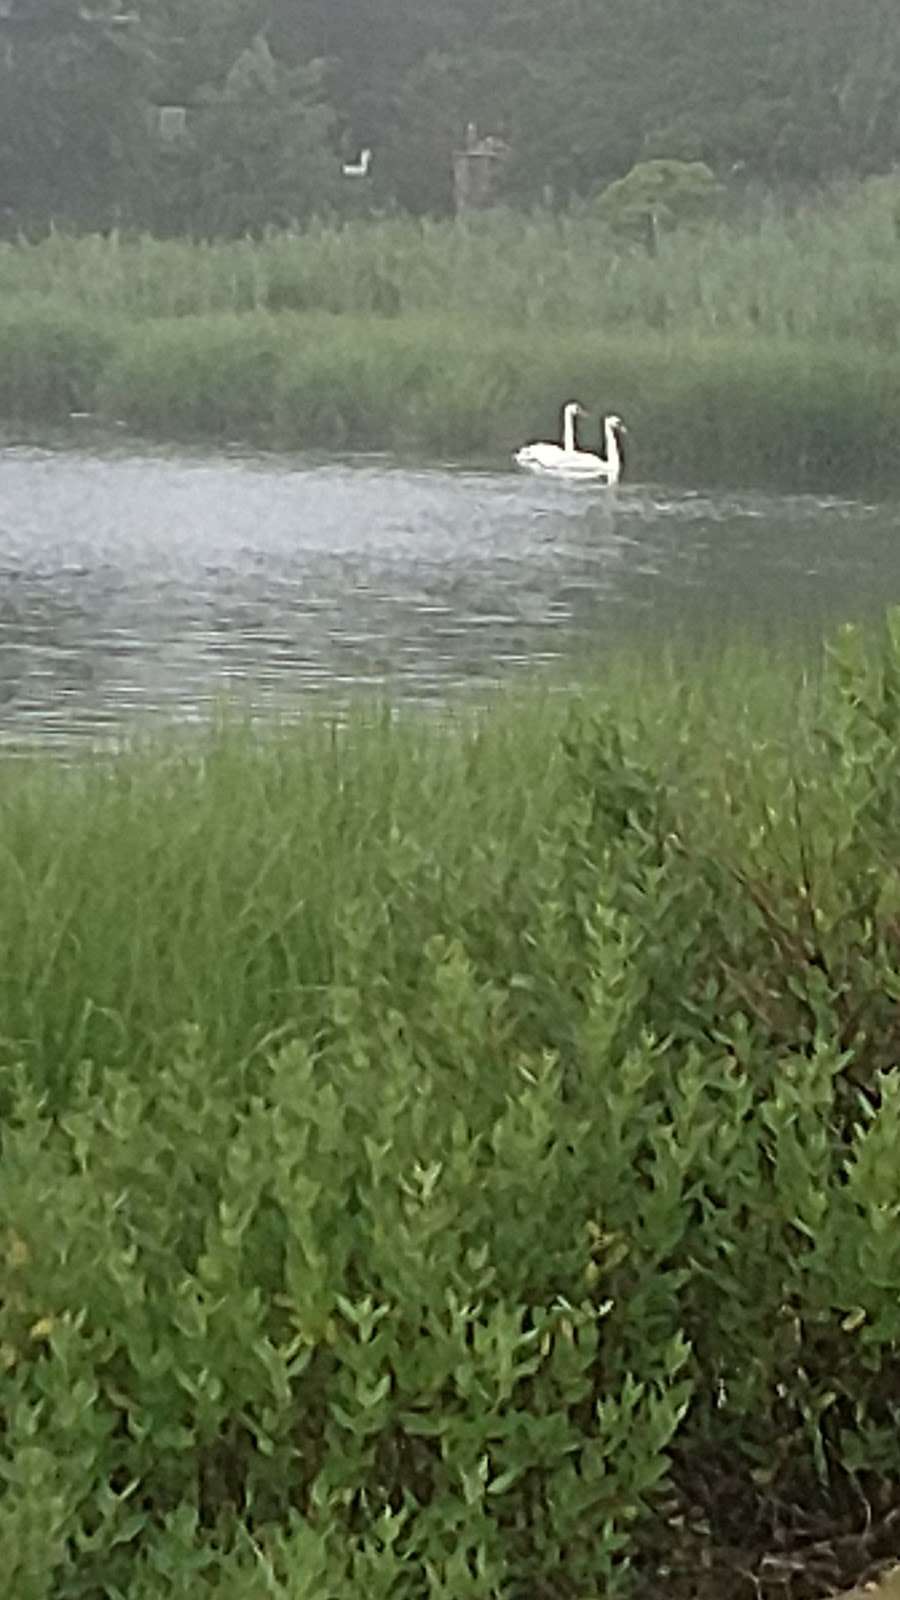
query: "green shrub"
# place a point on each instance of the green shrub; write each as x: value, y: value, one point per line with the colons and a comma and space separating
x: 437, y: 1160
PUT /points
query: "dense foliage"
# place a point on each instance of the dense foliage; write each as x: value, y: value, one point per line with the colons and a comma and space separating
x: 759, y: 350
x: 456, y: 1161
x: 786, y: 94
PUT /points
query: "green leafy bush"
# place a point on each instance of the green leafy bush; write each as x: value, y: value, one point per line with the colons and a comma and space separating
x: 438, y: 1161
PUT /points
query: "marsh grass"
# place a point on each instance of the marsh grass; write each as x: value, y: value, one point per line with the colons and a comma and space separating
x: 166, y: 885
x: 441, y: 1156
x: 52, y: 359
x: 696, y: 409
x: 767, y: 350
x: 825, y: 272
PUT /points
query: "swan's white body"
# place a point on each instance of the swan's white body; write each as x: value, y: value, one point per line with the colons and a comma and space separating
x: 567, y: 460
x: 360, y: 168
x: 546, y: 457
x: 610, y: 465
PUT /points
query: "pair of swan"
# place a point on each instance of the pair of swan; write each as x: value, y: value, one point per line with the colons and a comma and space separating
x: 567, y: 460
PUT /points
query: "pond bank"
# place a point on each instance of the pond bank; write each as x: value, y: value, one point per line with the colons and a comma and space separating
x: 705, y: 409
x: 441, y: 1156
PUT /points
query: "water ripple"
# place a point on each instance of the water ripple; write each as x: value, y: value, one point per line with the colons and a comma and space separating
x: 139, y: 582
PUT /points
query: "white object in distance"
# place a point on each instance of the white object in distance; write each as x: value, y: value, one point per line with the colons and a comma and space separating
x: 360, y: 168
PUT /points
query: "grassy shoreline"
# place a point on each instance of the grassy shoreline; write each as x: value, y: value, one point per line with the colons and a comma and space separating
x: 702, y: 409
x: 458, y: 1158
x: 768, y: 349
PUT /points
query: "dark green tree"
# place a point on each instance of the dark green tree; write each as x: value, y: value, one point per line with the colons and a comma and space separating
x: 72, y: 127
x: 790, y: 95
x: 259, y: 151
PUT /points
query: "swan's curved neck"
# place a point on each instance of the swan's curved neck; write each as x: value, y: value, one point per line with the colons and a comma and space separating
x: 613, y: 450
x: 569, y: 441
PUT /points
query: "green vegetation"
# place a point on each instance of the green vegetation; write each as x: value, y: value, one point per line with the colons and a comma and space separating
x: 830, y: 271
x: 456, y: 1160
x: 657, y: 194
x: 268, y: 98
x: 765, y: 348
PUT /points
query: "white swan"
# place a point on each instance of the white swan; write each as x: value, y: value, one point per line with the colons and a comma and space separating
x: 611, y: 465
x: 545, y: 457
x: 567, y: 460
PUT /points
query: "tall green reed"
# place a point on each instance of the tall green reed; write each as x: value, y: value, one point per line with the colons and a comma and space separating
x: 219, y: 887
x: 829, y: 271
x: 697, y: 408
x: 740, y: 351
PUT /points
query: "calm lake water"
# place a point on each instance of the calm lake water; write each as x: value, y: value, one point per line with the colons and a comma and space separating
x: 134, y: 583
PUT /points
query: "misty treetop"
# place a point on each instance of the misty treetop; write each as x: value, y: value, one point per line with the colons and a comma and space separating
x: 268, y: 98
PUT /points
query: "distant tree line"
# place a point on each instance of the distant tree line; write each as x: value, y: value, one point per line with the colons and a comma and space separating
x: 278, y: 93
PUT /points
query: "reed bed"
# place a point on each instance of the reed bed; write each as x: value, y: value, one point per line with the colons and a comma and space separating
x: 830, y: 271
x: 726, y: 409
x: 739, y: 353
x: 458, y: 1157
x: 161, y: 841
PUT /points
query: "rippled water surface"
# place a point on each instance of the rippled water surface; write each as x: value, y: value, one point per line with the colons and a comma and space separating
x: 134, y: 582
